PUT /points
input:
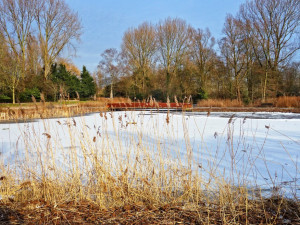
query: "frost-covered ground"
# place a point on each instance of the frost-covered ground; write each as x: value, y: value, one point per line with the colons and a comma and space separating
x: 253, y: 149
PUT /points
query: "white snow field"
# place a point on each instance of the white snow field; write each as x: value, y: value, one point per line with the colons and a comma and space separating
x: 257, y: 150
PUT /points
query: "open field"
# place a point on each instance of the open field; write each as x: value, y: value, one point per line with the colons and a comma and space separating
x: 150, y: 167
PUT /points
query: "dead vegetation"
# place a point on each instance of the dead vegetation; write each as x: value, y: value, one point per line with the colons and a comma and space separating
x: 232, y: 208
x: 219, y: 103
x: 49, y: 202
x: 86, y: 212
x: 37, y: 110
x: 288, y: 102
x: 280, y: 102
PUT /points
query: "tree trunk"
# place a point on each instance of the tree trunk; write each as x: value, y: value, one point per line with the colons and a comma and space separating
x: 265, y: 87
x: 239, y: 94
x: 238, y: 91
x: 47, y: 71
x: 168, y: 82
x: 143, y: 82
x: 14, y: 95
x: 111, y: 91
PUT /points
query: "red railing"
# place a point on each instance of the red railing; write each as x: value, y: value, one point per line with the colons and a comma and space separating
x: 123, y: 105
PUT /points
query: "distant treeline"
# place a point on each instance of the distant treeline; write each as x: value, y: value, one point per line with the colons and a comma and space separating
x: 253, y: 60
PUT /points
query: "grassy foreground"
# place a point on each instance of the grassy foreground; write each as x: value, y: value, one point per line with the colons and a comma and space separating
x: 266, y: 211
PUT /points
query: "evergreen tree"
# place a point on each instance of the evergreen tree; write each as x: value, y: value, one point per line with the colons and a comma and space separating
x: 65, y: 81
x: 87, y: 85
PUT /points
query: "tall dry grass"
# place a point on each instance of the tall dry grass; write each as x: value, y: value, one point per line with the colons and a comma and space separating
x: 100, y: 170
x: 219, y: 103
x: 280, y: 102
x: 63, y: 108
x: 288, y: 102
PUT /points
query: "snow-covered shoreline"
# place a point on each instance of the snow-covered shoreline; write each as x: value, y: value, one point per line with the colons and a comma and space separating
x: 255, y: 150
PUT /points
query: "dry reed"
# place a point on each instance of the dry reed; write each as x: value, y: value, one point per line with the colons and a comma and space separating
x: 288, y: 102
x: 219, y: 103
x: 101, y: 182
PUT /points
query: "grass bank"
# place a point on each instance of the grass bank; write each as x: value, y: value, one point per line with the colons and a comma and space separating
x: 40, y: 110
x: 291, y: 102
x: 37, y: 110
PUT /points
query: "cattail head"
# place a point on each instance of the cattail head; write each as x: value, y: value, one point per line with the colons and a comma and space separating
x: 168, y: 118
x: 47, y: 135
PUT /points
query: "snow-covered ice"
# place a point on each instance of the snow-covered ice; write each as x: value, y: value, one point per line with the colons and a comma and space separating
x: 252, y: 149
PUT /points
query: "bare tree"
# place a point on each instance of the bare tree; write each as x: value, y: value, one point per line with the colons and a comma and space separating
x: 33, y: 61
x: 98, y: 77
x: 139, y: 47
x: 109, y: 66
x: 16, y: 18
x: 291, y: 78
x: 232, y: 48
x: 73, y: 69
x: 10, y: 70
x: 57, y: 26
x: 3, y: 48
x: 251, y: 72
x: 173, y: 43
x: 275, y: 30
x: 3, y: 53
x: 202, y: 54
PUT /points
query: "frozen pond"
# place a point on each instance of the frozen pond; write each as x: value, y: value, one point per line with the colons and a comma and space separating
x: 252, y: 149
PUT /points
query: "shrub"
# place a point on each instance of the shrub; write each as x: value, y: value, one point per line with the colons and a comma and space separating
x: 200, y: 95
x: 25, y: 96
x: 4, y: 98
x: 288, y: 102
x: 158, y: 95
x: 219, y: 103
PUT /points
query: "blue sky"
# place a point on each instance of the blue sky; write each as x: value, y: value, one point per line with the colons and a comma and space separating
x: 105, y: 21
